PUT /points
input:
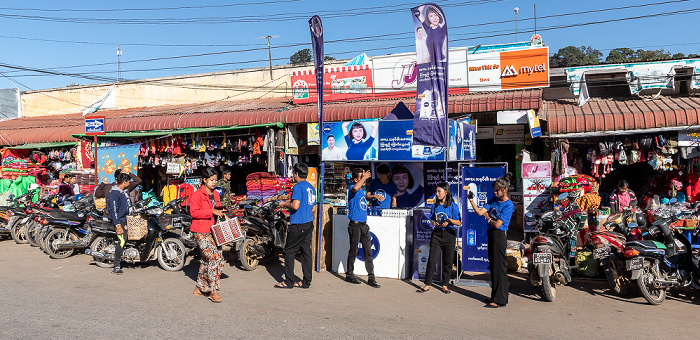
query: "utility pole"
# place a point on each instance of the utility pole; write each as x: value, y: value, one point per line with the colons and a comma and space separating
x: 516, y: 10
x: 269, y: 49
x: 119, y: 64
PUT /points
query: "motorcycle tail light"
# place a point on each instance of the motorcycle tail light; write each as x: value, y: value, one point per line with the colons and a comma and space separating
x: 540, y: 239
x: 635, y: 235
x: 43, y: 222
x: 630, y: 252
x: 10, y: 213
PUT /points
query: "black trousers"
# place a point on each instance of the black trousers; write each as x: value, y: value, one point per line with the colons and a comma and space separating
x: 298, y: 237
x: 497, y: 244
x: 118, y: 249
x: 359, y: 232
x: 442, y: 241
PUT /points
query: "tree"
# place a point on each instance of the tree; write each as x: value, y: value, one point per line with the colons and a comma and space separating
x: 301, y: 57
x: 651, y: 55
x: 693, y: 55
x: 328, y: 58
x: 621, y: 55
x: 575, y: 56
x: 678, y: 56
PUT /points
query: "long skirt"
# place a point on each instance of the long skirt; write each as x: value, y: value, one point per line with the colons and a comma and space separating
x: 211, y: 263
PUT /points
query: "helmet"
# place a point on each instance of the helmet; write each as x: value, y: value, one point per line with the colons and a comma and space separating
x: 640, y: 219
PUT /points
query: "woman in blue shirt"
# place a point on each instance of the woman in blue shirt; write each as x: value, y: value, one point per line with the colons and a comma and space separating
x: 444, y: 216
x: 357, y: 141
x: 497, y: 211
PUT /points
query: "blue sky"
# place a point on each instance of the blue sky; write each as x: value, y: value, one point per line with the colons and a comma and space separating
x: 81, y: 37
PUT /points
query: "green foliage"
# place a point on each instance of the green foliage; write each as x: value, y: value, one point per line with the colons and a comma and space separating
x: 575, y: 56
x: 301, y: 57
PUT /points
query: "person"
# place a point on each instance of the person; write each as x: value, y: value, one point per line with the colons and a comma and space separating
x: 105, y: 187
x: 205, y: 207
x: 358, y: 230
x: 677, y: 192
x: 76, y: 187
x: 422, y: 55
x: 225, y: 184
x: 65, y: 188
x: 382, y: 191
x: 357, y: 140
x: 497, y: 211
x: 404, y: 181
x: 118, y: 204
x: 622, y: 197
x: 332, y: 151
x: 436, y: 30
x: 444, y: 216
x: 301, y: 228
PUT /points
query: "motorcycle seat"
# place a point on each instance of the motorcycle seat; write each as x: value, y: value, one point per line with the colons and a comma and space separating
x: 106, y: 225
x: 643, y: 244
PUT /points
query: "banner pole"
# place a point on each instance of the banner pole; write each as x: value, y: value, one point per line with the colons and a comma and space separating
x: 94, y: 155
x: 316, y: 28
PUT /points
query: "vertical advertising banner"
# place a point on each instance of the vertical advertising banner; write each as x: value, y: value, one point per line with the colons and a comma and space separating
x: 111, y: 158
x: 422, y: 233
x: 474, y: 240
x: 316, y: 28
x: 430, y: 121
x: 537, y: 184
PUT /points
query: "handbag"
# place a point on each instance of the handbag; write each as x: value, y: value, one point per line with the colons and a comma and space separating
x: 227, y: 231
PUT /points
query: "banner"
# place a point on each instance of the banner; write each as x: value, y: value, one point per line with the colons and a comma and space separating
x: 316, y: 28
x: 111, y: 158
x: 430, y: 121
x: 312, y: 134
x: 396, y: 144
x: 341, y: 83
x: 422, y: 234
x: 475, y: 243
x: 435, y: 174
x: 409, y: 181
x: 354, y: 141
x: 537, y: 185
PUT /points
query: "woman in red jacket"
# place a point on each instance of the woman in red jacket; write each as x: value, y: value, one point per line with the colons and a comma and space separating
x: 203, y: 205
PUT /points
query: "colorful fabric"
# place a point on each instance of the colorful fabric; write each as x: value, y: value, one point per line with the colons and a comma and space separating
x: 112, y: 158
x: 211, y: 263
x: 589, y: 202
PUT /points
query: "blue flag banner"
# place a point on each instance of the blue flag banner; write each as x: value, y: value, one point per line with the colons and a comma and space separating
x: 430, y: 117
x: 316, y: 28
x: 111, y: 158
x: 475, y: 256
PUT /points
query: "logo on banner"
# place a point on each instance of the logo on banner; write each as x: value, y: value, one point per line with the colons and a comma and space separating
x: 407, y: 73
x: 471, y: 237
x: 374, y: 243
x: 327, y: 128
x: 509, y: 71
x: 300, y: 89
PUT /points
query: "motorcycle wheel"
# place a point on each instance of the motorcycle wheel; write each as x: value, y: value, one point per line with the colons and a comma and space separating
x: 105, y: 246
x: 54, y: 238
x: 549, y: 291
x: 17, y: 231
x: 43, y: 233
x: 32, y: 232
x: 619, y: 285
x: 652, y: 295
x: 245, y: 256
x: 176, y: 249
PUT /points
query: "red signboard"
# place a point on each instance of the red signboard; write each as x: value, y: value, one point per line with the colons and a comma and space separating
x: 340, y: 84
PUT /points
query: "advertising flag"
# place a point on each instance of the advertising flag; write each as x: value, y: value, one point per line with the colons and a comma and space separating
x: 430, y: 120
x: 316, y: 28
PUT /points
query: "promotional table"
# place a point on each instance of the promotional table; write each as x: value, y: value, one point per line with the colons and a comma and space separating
x: 389, y: 246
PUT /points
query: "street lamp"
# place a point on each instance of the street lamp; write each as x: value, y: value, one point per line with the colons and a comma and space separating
x: 119, y: 64
x: 269, y: 52
x: 516, y: 10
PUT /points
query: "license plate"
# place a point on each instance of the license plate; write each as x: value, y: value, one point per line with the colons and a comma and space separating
x: 635, y: 263
x: 601, y: 253
x: 542, y: 258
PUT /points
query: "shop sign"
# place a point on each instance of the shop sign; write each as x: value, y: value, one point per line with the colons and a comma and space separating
x: 95, y: 126
x: 689, y: 138
x: 537, y: 184
x: 172, y: 168
x: 312, y: 134
x: 340, y: 83
x: 486, y: 132
x: 495, y: 71
x: 509, y: 134
x: 511, y: 117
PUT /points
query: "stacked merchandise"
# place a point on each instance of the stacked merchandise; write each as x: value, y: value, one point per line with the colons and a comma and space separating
x: 261, y: 185
x: 285, y: 185
x: 235, y: 200
x: 14, y: 169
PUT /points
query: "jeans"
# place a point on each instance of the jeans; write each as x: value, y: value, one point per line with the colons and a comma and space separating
x: 298, y: 237
x: 359, y: 232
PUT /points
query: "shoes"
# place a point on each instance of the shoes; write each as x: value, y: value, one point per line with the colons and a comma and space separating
x: 214, y: 297
x: 283, y: 285
x: 424, y: 289
x: 353, y: 280
x: 117, y: 270
x: 494, y: 305
x: 373, y: 283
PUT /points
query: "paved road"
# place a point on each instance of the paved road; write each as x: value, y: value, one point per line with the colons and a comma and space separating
x: 72, y: 298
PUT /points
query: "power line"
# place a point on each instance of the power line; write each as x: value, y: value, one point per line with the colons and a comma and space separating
x: 144, y: 9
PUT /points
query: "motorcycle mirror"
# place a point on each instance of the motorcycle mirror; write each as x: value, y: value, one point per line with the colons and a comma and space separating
x: 528, y: 215
x: 562, y: 196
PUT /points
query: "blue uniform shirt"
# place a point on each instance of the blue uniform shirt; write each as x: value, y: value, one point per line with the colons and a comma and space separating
x: 357, y: 206
x: 306, y: 195
x: 357, y: 151
x: 439, y: 213
x: 376, y: 187
x: 500, y: 210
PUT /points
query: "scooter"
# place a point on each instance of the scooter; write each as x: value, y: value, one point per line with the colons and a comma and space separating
x: 265, y: 230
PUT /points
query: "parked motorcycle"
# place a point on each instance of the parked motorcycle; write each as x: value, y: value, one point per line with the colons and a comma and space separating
x: 162, y: 242
x: 17, y: 213
x: 66, y: 231
x: 265, y: 230
x: 551, y: 250
x: 665, y: 262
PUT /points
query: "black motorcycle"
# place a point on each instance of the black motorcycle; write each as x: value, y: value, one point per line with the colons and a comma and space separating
x: 666, y: 261
x: 161, y: 242
x: 17, y: 216
x: 551, y: 251
x: 265, y: 231
x: 65, y: 231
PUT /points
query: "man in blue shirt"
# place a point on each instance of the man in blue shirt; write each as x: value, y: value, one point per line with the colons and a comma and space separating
x: 382, y: 191
x: 118, y: 208
x: 301, y: 204
x: 497, y: 211
x: 358, y: 230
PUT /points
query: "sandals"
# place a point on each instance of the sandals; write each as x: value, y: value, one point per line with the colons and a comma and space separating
x: 445, y: 290
x: 198, y: 292
x: 283, y: 285
x: 215, y: 298
x: 424, y: 289
x: 300, y: 285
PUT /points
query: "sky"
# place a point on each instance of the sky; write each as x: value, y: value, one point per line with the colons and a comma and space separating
x: 76, y: 41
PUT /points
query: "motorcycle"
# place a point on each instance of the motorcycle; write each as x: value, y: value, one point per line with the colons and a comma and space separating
x: 65, y: 231
x: 608, y: 243
x: 659, y: 265
x: 162, y: 242
x: 551, y: 250
x: 17, y: 213
x: 265, y: 231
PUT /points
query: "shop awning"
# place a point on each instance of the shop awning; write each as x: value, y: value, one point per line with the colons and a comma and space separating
x: 43, y: 145
x: 620, y: 115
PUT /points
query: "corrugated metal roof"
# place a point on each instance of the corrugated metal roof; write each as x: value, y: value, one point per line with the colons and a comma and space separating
x: 619, y: 114
x: 219, y: 114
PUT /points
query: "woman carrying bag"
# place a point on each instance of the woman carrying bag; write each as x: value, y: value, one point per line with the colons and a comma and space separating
x: 444, y: 216
x: 205, y: 208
